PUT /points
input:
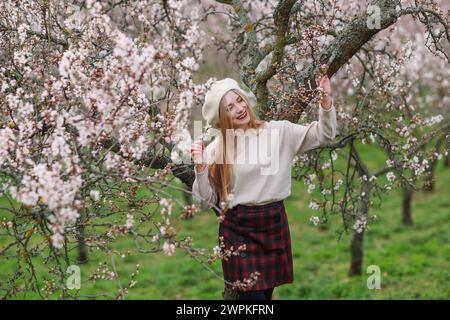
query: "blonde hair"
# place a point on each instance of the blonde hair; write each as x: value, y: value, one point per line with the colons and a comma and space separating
x: 220, y: 171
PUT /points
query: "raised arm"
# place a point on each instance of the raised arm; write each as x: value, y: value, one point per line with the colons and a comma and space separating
x: 318, y: 133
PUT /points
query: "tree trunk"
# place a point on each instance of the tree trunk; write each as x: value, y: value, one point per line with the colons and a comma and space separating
x: 81, y: 244
x: 406, y: 208
x: 357, y: 254
x: 357, y: 250
x: 82, y: 252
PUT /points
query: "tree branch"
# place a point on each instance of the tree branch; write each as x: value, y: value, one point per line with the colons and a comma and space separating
x: 347, y: 43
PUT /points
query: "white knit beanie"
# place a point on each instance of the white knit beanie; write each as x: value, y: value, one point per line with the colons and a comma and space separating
x: 210, y: 109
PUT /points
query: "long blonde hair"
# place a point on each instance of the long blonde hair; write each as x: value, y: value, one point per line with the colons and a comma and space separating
x: 220, y: 173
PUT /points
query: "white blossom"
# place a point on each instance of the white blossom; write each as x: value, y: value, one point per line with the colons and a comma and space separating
x: 168, y: 248
x: 360, y: 224
x: 313, y: 205
x: 130, y: 221
x: 390, y: 176
x: 311, y: 187
x: 315, y: 220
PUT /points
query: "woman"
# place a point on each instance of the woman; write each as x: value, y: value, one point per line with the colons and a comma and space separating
x: 253, y: 192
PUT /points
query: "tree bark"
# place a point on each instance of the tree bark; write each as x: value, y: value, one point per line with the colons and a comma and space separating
x: 81, y: 244
x: 357, y: 249
x: 406, y: 205
x: 357, y: 254
x: 346, y: 45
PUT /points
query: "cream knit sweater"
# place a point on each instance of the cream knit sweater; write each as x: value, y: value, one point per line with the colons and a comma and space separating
x: 262, y: 171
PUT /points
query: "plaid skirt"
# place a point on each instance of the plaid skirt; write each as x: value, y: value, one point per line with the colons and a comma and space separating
x: 264, y: 230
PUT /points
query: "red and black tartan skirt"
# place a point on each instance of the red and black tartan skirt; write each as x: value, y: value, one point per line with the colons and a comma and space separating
x: 264, y: 230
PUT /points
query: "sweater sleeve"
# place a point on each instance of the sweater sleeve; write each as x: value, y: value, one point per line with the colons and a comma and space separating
x: 202, y: 190
x: 318, y: 133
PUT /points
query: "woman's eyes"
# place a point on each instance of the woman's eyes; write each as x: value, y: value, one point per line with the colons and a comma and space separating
x: 231, y: 107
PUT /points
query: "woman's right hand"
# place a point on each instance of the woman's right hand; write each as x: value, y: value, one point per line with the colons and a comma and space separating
x: 197, y: 154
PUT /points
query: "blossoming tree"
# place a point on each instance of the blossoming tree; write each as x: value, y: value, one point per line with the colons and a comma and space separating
x: 93, y: 96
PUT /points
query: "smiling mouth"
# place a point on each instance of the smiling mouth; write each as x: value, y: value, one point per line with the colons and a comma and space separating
x: 243, y: 116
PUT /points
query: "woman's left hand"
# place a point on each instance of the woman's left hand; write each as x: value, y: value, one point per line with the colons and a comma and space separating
x: 325, y: 85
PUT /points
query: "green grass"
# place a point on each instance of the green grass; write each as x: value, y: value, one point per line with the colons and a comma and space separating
x: 414, y: 261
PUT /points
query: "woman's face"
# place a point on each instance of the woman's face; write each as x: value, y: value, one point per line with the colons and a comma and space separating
x: 237, y: 109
